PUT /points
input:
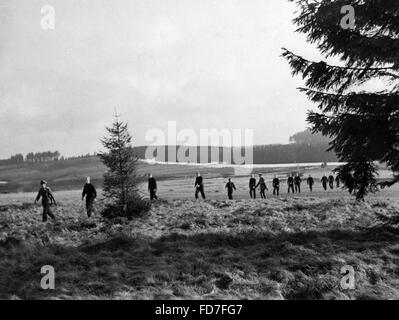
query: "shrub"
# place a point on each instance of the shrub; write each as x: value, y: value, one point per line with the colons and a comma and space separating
x: 135, y: 207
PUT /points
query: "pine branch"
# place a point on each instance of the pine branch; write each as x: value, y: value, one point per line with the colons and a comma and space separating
x: 359, y: 46
x: 377, y: 17
x: 382, y: 103
x: 320, y: 75
x: 291, y: 56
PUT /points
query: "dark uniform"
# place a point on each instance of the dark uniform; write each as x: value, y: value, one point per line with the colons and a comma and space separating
x: 290, y: 183
x: 263, y: 187
x: 276, y: 186
x: 324, y: 181
x: 89, y: 191
x: 199, y: 187
x: 331, y: 181
x: 310, y: 182
x: 252, y: 188
x: 47, y: 199
x: 337, y: 181
x: 350, y: 182
x: 230, y: 187
x: 152, y: 188
x: 297, y: 181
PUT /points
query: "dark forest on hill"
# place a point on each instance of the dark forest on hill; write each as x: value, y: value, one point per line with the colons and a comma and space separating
x: 304, y: 147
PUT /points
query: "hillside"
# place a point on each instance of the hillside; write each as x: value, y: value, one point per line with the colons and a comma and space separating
x: 71, y: 174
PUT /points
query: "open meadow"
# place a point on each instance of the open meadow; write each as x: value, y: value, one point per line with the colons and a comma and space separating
x: 287, y: 247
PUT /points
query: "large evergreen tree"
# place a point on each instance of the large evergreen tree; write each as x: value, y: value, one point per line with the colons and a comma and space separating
x: 120, y: 181
x: 363, y: 124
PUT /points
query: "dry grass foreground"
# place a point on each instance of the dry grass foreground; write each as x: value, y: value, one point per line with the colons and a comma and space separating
x: 250, y: 249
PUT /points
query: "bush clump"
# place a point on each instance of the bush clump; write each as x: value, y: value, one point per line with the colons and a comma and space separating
x: 134, y: 208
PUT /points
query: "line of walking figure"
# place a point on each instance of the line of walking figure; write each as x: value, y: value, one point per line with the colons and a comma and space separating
x: 89, y: 191
x: 293, y: 183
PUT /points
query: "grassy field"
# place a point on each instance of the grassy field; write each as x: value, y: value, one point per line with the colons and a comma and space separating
x: 290, y: 247
x: 71, y: 175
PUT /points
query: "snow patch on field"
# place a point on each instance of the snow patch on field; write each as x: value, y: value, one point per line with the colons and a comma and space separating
x: 243, y: 166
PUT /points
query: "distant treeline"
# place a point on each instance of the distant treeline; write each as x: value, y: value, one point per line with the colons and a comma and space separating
x: 37, y: 157
x: 32, y: 157
x: 304, y: 147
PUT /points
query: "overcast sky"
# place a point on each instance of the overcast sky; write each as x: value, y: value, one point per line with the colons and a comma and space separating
x: 204, y: 64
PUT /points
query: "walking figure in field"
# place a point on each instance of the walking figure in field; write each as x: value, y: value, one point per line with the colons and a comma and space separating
x: 337, y: 181
x: 290, y: 183
x: 297, y: 181
x: 47, y: 200
x: 89, y: 191
x: 276, y: 186
x: 152, y: 187
x: 310, y: 182
x: 350, y: 182
x: 324, y: 181
x: 199, y: 186
x: 252, y: 187
x: 230, y: 188
x: 262, y: 185
x: 331, y: 181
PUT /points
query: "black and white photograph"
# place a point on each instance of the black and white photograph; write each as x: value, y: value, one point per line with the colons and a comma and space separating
x: 199, y: 150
